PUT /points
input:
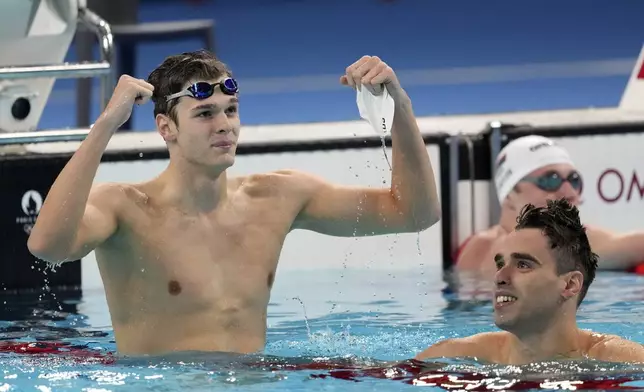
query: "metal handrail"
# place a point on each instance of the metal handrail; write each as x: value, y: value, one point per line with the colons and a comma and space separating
x: 59, y: 71
x: 454, y: 142
x: 470, y: 155
x: 103, y: 68
x: 103, y: 32
x: 495, y: 148
x: 71, y: 135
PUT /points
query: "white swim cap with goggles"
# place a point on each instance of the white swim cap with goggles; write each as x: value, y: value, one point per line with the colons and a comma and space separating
x: 523, y: 156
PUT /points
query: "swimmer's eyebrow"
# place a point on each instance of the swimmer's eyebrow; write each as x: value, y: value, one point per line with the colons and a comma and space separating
x: 498, y: 257
x: 525, y: 256
x: 212, y: 106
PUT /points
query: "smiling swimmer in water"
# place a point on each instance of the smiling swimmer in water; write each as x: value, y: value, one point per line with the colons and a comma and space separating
x: 544, y: 268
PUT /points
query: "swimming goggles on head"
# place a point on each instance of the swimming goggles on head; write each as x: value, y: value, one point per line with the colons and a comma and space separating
x: 552, y: 181
x: 203, y: 90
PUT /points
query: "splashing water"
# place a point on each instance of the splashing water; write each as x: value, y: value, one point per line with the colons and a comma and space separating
x: 360, y: 350
x: 306, y: 319
x: 384, y: 151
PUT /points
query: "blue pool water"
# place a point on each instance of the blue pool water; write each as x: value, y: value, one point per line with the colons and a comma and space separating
x: 356, y: 336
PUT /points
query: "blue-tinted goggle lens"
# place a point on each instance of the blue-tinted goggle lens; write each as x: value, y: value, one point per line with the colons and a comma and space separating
x: 203, y: 90
x: 552, y: 181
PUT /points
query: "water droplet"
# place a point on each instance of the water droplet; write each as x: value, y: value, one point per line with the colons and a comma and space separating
x: 306, y: 320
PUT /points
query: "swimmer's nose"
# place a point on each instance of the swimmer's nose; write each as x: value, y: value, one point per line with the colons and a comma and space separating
x: 570, y: 195
x: 572, y: 199
x: 224, y: 129
x: 222, y: 124
x: 567, y: 190
x: 502, y: 276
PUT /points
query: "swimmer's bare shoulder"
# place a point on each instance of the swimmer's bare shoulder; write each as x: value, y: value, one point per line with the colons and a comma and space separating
x: 483, y: 346
x: 261, y: 186
x: 342, y: 210
x: 322, y: 206
x: 284, y: 182
x: 612, y: 348
x: 296, y: 181
x: 477, y: 248
x: 297, y: 185
x: 316, y: 203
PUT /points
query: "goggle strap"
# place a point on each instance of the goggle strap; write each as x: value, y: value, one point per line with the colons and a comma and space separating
x: 177, y: 95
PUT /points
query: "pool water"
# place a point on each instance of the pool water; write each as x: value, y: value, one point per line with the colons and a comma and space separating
x: 346, y: 330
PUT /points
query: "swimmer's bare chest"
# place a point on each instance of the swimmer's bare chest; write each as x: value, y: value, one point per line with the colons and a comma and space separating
x: 214, y: 269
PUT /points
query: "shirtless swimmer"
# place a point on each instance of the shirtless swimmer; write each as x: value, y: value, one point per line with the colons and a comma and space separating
x: 209, y: 244
x: 544, y: 268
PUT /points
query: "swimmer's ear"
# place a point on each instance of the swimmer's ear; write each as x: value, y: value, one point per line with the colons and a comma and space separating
x: 165, y: 127
x: 574, y: 281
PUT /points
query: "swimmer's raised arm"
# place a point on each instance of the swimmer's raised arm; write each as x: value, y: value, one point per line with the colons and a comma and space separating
x: 410, y: 204
x: 616, y: 251
x: 72, y: 223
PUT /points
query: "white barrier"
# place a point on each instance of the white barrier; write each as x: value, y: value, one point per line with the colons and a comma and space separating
x: 613, y: 174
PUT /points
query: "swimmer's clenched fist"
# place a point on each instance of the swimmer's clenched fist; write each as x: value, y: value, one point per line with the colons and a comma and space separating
x: 128, y: 91
x: 188, y: 258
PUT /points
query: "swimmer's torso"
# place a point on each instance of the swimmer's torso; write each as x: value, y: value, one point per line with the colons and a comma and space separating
x: 180, y: 282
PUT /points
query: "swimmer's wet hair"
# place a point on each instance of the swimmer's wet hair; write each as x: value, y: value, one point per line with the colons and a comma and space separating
x: 559, y: 221
x: 176, y: 71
